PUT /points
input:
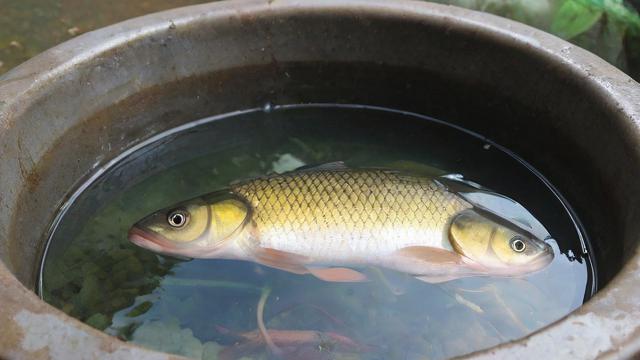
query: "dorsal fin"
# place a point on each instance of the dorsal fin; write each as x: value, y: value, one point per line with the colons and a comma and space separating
x: 457, y: 184
x: 414, y: 168
x: 331, y: 166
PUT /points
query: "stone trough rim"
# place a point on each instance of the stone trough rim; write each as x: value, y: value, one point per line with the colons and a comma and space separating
x: 603, y: 327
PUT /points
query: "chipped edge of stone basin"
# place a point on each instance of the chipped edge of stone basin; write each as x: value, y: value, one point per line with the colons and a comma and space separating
x: 35, y: 330
x: 607, y: 326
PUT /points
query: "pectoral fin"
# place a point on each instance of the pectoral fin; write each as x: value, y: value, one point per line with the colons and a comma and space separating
x: 430, y: 255
x: 338, y: 274
x: 282, y: 260
x: 425, y: 259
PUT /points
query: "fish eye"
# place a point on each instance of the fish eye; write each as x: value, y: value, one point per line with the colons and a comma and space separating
x: 517, y: 244
x: 178, y: 218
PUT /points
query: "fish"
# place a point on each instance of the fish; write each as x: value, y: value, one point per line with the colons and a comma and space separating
x: 333, y: 221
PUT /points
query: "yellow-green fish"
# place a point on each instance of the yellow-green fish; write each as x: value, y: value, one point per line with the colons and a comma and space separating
x: 331, y: 221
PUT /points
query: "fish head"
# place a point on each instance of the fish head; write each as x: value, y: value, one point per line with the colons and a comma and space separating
x: 499, y: 246
x: 194, y: 228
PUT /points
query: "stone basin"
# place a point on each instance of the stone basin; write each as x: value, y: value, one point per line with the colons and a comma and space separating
x: 570, y: 114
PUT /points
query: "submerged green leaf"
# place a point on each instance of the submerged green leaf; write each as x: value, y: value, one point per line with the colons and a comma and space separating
x: 573, y: 18
x: 140, y: 309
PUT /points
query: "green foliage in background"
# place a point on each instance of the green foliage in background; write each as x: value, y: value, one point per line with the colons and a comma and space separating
x: 608, y: 28
x: 573, y: 18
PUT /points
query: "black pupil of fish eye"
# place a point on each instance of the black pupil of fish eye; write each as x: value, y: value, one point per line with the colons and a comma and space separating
x: 518, y: 245
x: 177, y: 219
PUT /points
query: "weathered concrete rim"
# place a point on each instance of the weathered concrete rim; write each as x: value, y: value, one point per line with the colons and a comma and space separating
x: 28, y: 78
x: 603, y: 327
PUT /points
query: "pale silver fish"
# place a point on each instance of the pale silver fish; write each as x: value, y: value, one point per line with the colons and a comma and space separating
x: 331, y: 221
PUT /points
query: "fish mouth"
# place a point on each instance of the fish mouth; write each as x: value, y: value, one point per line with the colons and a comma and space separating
x: 539, y: 262
x: 545, y: 257
x: 148, y: 240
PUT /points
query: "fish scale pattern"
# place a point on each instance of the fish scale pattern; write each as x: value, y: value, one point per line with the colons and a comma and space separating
x: 319, y: 213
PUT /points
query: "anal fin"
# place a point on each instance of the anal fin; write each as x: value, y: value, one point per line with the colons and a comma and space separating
x: 282, y: 260
x: 337, y: 274
x: 297, y: 264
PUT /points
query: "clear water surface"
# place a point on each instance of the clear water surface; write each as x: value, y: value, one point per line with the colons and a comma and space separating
x: 208, y: 308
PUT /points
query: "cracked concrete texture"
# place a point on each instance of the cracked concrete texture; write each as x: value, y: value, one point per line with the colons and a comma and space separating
x: 31, y: 329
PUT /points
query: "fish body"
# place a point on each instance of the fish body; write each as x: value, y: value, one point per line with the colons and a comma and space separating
x: 331, y: 220
x: 347, y: 217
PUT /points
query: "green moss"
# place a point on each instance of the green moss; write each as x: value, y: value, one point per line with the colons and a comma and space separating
x: 67, y: 308
x: 98, y: 321
x: 90, y: 292
x: 210, y: 350
x: 133, y: 267
x: 119, y: 276
x: 119, y: 302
